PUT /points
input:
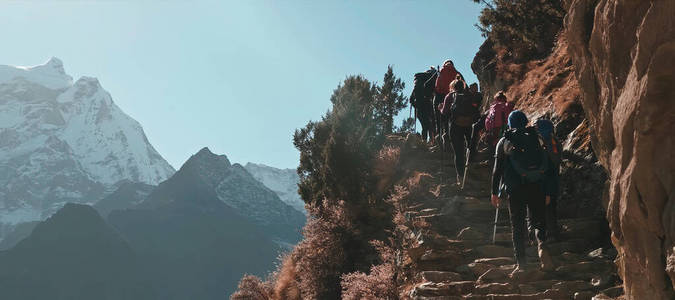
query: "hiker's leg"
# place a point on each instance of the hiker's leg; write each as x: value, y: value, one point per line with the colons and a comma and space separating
x: 536, y: 204
x: 457, y: 141
x: 475, y: 133
x: 530, y: 227
x: 421, y: 116
x: 445, y: 124
x: 437, y: 114
x: 517, y: 214
x: 430, y: 119
x: 552, y: 218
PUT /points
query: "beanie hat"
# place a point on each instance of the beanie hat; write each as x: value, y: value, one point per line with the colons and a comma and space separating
x: 517, y: 119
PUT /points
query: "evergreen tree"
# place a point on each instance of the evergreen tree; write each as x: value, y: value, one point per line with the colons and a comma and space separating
x: 523, y: 26
x: 390, y: 100
x: 407, y: 125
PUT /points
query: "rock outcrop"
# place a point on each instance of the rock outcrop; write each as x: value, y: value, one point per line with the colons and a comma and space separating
x: 624, y: 55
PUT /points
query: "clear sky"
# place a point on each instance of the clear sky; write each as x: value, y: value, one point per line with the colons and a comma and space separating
x: 236, y: 76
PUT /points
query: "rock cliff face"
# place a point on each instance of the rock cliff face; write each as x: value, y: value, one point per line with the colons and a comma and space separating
x: 624, y: 55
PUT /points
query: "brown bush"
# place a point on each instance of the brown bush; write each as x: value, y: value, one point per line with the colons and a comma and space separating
x: 252, y: 288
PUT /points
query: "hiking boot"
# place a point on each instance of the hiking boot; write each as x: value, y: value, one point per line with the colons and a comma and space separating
x: 545, y: 258
x: 459, y: 180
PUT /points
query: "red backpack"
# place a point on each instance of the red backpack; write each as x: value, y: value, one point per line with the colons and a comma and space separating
x: 498, y: 115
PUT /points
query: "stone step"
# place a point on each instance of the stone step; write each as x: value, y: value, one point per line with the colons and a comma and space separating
x: 439, y: 276
x: 433, y: 289
x: 548, y: 294
x: 496, y: 288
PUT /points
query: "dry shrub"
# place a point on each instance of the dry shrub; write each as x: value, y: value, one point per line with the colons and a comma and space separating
x: 320, y: 258
x: 286, y: 287
x: 380, y: 283
x: 385, y: 167
x: 252, y: 288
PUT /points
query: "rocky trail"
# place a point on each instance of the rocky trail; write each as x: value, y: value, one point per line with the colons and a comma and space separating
x: 447, y: 235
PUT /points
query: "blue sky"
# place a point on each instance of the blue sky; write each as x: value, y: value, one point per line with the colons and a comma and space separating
x: 236, y: 76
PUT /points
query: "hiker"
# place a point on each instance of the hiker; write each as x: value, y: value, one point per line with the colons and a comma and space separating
x: 495, y: 122
x: 462, y: 111
x: 477, y: 97
x: 446, y: 75
x: 420, y: 99
x: 547, y: 132
x: 521, y: 174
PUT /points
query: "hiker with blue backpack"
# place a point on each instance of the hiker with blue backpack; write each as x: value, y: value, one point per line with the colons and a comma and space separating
x: 522, y: 175
x: 552, y: 145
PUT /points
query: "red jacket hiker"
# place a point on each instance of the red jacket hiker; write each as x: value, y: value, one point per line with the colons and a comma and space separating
x: 447, y: 75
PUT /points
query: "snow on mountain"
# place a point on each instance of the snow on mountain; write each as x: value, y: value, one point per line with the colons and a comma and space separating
x: 284, y: 182
x: 65, y: 142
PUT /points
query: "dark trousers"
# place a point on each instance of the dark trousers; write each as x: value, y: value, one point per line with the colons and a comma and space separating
x: 425, y: 116
x: 460, y: 136
x: 551, y: 219
x: 529, y: 196
x: 440, y: 121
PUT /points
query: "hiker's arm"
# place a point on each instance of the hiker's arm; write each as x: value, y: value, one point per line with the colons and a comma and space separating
x: 498, y: 169
x: 412, y: 98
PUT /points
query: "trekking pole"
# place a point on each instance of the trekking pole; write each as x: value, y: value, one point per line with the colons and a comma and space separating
x: 466, y: 166
x: 494, y: 231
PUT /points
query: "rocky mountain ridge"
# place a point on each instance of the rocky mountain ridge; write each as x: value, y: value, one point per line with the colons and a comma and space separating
x: 63, y: 141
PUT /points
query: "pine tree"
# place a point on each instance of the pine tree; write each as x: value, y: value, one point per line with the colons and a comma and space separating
x: 390, y: 100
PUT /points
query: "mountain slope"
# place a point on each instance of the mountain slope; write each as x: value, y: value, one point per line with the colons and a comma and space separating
x: 127, y: 195
x: 72, y: 255
x: 209, y: 174
x: 284, y: 182
x: 65, y: 142
x: 194, y: 243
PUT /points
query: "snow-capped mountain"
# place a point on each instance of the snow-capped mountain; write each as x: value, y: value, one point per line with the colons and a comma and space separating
x: 284, y: 182
x: 63, y: 141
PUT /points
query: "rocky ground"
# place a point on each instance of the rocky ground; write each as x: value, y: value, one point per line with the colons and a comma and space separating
x: 447, y: 250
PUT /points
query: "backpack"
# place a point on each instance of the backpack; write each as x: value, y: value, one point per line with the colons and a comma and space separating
x: 423, y: 90
x: 463, y: 110
x: 497, y: 115
x: 527, y: 154
x: 545, y: 128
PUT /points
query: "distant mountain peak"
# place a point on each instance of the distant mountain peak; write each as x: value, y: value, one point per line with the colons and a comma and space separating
x: 51, y: 74
x: 207, y: 159
x: 65, y: 142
